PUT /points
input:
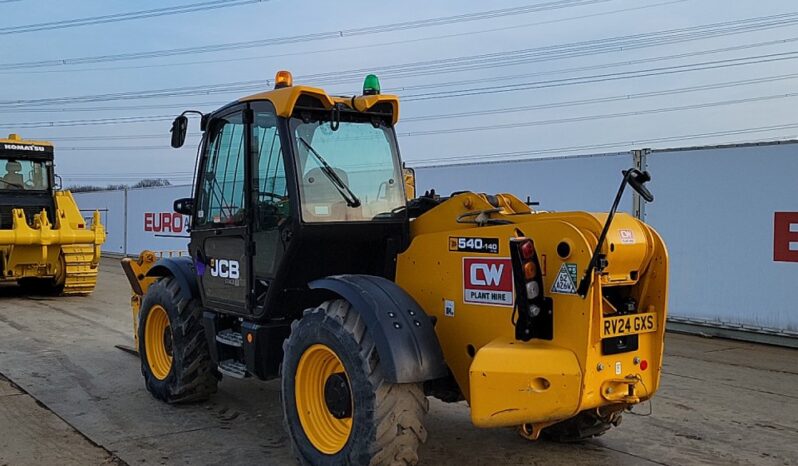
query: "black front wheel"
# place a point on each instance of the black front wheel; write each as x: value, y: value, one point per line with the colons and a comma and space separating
x: 175, y: 360
x: 338, y: 408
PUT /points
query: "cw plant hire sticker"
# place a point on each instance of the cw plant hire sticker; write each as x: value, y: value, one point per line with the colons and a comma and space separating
x: 488, y: 281
x: 565, y: 283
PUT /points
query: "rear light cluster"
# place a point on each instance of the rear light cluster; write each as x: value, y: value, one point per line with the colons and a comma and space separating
x: 533, y: 311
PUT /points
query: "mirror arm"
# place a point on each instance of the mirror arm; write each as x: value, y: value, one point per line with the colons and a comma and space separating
x: 196, y: 112
x: 584, y: 284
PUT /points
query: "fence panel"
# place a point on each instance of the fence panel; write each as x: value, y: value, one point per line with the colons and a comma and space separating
x: 717, y: 210
x: 111, y: 205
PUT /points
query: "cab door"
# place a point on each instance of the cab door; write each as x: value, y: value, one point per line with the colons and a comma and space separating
x: 221, y: 232
x: 272, y: 207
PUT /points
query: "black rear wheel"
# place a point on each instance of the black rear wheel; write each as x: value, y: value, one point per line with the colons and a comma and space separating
x: 175, y: 360
x: 338, y: 408
x: 583, y: 426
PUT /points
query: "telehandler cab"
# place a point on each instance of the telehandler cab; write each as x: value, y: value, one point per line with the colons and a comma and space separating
x: 307, y: 262
x: 45, y: 243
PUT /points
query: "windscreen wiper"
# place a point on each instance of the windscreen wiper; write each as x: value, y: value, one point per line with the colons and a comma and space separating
x: 350, y: 197
x: 12, y: 184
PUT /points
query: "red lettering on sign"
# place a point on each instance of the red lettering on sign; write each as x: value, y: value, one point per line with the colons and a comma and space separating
x: 148, y: 216
x: 170, y: 222
x: 783, y: 236
x: 166, y: 221
x: 177, y: 223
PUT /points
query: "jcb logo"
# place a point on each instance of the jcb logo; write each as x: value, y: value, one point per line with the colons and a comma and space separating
x: 224, y: 268
x: 486, y: 274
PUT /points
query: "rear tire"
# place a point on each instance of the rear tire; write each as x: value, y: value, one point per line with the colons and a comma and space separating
x: 385, y: 419
x: 178, y: 368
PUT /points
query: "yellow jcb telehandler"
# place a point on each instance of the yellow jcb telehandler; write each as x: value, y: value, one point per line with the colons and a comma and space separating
x: 45, y: 243
x: 307, y: 262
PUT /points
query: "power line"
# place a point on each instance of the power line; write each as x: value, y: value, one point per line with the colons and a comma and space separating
x: 217, y: 61
x: 569, y: 50
x: 505, y: 110
x: 525, y: 124
x: 473, y: 91
x: 557, y: 121
x: 466, y: 63
x: 711, y: 65
x: 116, y: 17
x: 525, y: 154
x: 608, y: 99
x: 433, y: 85
x: 214, y: 104
x: 401, y: 26
x: 505, y: 77
x: 89, y: 122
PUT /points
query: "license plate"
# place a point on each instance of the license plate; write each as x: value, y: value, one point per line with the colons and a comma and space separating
x: 628, y: 325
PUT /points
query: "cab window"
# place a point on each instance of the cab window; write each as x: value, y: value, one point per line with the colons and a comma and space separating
x: 222, y: 192
x: 18, y: 174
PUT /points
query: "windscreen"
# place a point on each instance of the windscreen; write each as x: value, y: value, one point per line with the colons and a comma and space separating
x: 348, y: 173
x: 28, y: 175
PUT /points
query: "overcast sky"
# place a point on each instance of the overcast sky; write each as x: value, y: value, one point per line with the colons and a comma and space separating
x: 532, y: 78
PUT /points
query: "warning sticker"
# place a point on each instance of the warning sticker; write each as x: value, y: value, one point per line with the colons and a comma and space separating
x: 448, y: 308
x: 565, y: 283
x: 488, y: 281
x: 627, y: 236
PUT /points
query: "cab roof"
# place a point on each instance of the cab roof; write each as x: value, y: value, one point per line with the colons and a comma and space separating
x: 285, y: 99
x: 17, y: 147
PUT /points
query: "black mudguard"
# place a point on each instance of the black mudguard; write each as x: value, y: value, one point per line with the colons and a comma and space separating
x: 182, y: 268
x: 404, y: 335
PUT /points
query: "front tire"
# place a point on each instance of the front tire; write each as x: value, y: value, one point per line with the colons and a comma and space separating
x: 175, y: 360
x: 338, y: 407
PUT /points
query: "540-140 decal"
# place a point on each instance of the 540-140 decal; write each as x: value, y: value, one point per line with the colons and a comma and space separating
x: 469, y: 244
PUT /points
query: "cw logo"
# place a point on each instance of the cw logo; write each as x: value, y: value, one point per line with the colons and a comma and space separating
x: 486, y: 275
x: 224, y: 268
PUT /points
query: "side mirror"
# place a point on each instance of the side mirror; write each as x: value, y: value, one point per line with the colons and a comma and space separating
x: 184, y: 206
x: 409, y: 176
x: 637, y: 181
x: 179, y: 127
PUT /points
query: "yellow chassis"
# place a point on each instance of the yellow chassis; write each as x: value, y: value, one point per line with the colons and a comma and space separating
x: 67, y: 252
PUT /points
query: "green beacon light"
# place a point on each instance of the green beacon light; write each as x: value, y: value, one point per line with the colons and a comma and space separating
x: 371, y: 85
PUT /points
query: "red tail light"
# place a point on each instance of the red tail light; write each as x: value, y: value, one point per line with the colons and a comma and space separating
x: 532, y: 308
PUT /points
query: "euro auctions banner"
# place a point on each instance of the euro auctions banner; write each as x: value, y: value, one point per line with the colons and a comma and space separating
x: 139, y: 219
x: 152, y: 222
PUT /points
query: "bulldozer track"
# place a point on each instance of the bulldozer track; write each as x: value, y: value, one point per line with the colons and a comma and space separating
x: 81, y: 274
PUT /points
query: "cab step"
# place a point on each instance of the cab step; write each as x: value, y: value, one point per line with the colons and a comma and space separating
x: 230, y: 338
x: 233, y: 368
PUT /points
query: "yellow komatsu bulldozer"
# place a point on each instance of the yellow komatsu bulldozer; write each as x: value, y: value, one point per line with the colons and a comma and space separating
x: 308, y: 262
x: 45, y: 243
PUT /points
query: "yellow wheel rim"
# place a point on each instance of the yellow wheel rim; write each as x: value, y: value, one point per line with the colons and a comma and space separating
x: 158, y: 342
x: 325, y: 431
